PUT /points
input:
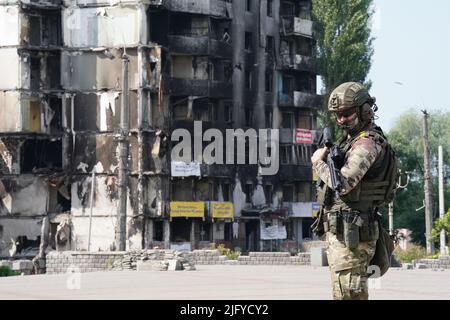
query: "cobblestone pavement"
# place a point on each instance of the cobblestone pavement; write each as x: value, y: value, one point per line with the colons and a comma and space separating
x: 214, y: 282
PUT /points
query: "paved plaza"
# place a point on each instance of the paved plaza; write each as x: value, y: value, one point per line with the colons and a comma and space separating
x: 221, y: 282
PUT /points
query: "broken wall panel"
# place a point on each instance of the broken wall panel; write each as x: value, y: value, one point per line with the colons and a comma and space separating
x: 10, y: 112
x: 103, y: 239
x: 101, y: 27
x: 43, y: 3
x: 105, y: 196
x: 31, y: 114
x: 95, y: 150
x: 9, y: 26
x: 9, y: 156
x: 217, y: 8
x: 100, y: 111
x: 90, y: 71
x: 12, y: 229
x: 101, y: 151
x: 11, y: 65
x: 25, y: 195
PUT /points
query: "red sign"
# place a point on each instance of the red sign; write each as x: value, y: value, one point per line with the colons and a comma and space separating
x: 303, y: 136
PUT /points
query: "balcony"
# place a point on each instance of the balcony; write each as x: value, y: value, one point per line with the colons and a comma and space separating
x: 199, y: 88
x: 299, y: 99
x: 199, y: 46
x: 286, y: 136
x: 298, y: 62
x: 217, y: 170
x: 295, y: 172
x: 301, y: 209
x: 294, y: 26
x: 217, y: 8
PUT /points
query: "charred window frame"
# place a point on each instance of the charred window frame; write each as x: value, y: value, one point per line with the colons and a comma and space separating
x: 158, y: 230
x: 269, y: 81
x: 40, y: 154
x: 304, y: 192
x: 270, y: 45
x: 228, y: 112
x: 35, y: 73
x: 248, y: 79
x: 226, y: 191
x: 248, y: 117
x: 286, y: 154
x: 287, y: 9
x: 288, y: 84
x: 269, y: 8
x: 44, y: 30
x: 182, y: 190
x: 248, y: 5
x: 248, y: 190
x: 288, y: 193
x: 228, y: 71
x: 287, y: 120
x: 205, y: 231
x: 248, y: 41
x: 269, y: 117
x: 268, y: 191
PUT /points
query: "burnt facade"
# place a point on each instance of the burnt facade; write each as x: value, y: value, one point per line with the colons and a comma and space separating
x: 229, y: 64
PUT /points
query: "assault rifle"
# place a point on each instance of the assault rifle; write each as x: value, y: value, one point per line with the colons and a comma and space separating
x: 335, y: 159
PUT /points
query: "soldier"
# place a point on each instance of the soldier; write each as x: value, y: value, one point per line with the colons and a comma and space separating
x: 349, y: 218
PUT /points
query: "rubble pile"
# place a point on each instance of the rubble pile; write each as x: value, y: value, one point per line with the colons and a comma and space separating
x: 155, y: 259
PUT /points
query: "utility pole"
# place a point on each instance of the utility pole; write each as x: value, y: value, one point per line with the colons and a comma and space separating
x: 441, y: 197
x: 427, y: 186
x: 122, y: 137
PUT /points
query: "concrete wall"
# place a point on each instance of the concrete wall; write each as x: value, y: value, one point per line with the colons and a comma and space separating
x: 26, y: 195
x: 70, y: 261
x: 101, y: 27
x: 10, y: 112
x: 90, y: 71
x: 13, y: 228
x: 9, y: 26
x: 11, y: 65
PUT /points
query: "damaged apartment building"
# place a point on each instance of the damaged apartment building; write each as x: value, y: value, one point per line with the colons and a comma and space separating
x: 230, y: 64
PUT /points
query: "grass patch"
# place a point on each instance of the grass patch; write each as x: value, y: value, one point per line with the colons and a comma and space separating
x: 6, y: 271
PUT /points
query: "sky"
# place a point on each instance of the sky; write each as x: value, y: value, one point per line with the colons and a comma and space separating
x: 411, y: 62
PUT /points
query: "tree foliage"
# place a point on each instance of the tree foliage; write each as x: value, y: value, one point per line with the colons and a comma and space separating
x: 406, y: 137
x: 344, y: 44
x: 442, y: 224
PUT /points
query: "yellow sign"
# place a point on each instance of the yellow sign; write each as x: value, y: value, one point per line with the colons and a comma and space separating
x: 187, y: 209
x: 315, y: 209
x: 222, y: 210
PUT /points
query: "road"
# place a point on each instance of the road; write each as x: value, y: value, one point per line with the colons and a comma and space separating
x: 221, y: 282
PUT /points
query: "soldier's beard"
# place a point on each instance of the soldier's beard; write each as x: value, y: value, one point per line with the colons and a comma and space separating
x: 353, y: 126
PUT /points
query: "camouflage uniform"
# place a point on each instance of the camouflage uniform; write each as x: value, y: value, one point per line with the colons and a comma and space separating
x: 362, y: 187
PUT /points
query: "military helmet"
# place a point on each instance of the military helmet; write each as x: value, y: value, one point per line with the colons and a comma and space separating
x: 348, y: 95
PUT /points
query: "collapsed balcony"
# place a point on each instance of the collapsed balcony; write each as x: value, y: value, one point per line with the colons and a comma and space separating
x: 92, y: 71
x: 24, y: 113
x: 31, y: 26
x: 199, y: 35
x: 216, y: 8
x: 30, y: 70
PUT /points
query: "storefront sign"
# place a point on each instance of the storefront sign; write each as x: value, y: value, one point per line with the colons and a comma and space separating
x: 185, y: 169
x: 303, y: 136
x: 222, y: 210
x: 187, y: 209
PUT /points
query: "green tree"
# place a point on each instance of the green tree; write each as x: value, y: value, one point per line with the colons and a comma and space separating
x: 442, y: 224
x: 407, y: 141
x: 344, y: 43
